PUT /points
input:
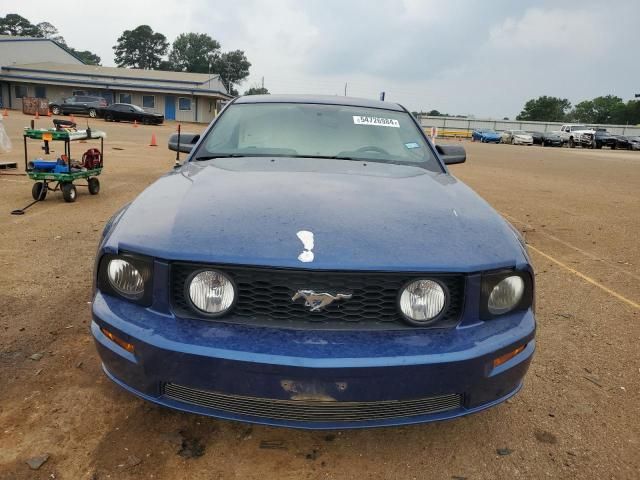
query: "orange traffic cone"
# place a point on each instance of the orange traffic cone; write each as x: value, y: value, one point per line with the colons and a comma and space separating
x: 72, y: 118
x: 135, y: 124
x: 37, y: 115
x: 153, y: 143
x: 48, y: 113
x: 5, y: 113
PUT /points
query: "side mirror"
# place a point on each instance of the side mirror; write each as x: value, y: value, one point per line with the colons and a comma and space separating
x: 452, y: 154
x: 187, y: 142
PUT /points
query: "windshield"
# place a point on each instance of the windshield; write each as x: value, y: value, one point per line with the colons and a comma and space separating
x: 313, y: 130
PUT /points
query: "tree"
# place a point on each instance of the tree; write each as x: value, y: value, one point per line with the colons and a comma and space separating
x: 545, y: 109
x: 140, y: 48
x: 86, y: 56
x: 46, y: 30
x: 607, y: 109
x: 257, y: 91
x: 14, y: 24
x: 193, y: 52
x: 434, y: 113
x: 631, y: 113
x: 232, y: 67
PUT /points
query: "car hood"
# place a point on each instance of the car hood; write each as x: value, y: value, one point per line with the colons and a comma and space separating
x: 369, y: 216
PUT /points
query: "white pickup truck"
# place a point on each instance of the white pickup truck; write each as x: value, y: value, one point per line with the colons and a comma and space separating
x: 571, y: 132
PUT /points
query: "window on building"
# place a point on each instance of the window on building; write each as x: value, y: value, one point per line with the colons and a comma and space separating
x: 184, y: 103
x: 148, y: 101
x: 125, y: 97
x: 41, y: 91
x: 20, y: 91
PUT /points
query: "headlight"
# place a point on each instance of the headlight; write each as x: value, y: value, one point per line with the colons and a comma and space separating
x: 506, y: 295
x: 422, y: 301
x: 125, y: 279
x: 211, y: 292
x: 126, y: 275
x: 505, y: 291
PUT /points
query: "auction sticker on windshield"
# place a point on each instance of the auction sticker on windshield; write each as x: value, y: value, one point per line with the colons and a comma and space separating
x: 377, y: 121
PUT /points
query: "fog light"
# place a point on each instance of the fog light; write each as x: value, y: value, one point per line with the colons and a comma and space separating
x: 507, y: 356
x: 117, y: 340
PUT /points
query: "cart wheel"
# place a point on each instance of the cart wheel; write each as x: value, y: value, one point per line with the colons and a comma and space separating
x: 39, y: 191
x: 94, y: 186
x: 69, y: 192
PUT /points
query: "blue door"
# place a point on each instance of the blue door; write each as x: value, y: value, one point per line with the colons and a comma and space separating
x: 169, y: 107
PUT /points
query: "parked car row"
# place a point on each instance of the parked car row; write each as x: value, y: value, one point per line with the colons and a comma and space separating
x: 571, y: 135
x: 575, y: 135
x: 97, y: 107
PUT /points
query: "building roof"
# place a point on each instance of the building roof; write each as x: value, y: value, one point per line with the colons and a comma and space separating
x: 14, y: 49
x: 320, y: 99
x: 115, y: 78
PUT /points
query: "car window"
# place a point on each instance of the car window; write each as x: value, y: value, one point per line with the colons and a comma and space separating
x: 312, y: 130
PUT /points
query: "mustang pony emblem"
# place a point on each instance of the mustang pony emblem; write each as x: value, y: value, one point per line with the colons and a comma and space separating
x: 317, y: 301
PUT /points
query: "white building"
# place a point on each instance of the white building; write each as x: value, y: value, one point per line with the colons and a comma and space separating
x: 38, y: 67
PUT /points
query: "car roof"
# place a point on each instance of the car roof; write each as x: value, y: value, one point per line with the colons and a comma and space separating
x: 321, y: 100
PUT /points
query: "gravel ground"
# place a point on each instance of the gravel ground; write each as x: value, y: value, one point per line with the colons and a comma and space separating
x: 577, y: 416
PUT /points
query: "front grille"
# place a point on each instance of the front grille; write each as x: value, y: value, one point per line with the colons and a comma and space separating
x: 264, y: 296
x: 312, y: 411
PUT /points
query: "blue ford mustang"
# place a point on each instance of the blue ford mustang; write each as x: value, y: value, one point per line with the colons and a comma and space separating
x: 313, y: 264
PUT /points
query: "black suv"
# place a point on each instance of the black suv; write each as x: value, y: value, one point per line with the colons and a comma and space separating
x: 79, y: 104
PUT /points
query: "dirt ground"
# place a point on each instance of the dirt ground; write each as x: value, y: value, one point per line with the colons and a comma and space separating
x: 578, y: 415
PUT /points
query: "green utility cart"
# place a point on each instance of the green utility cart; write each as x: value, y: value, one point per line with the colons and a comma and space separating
x: 64, y: 172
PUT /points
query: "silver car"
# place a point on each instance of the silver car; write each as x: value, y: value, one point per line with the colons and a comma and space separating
x: 517, y: 137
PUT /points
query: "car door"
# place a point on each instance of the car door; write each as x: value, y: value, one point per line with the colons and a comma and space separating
x: 83, y: 104
x: 69, y: 105
x: 119, y: 112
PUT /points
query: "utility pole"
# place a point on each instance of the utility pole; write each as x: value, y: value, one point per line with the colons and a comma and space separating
x: 263, y: 83
x: 345, y: 89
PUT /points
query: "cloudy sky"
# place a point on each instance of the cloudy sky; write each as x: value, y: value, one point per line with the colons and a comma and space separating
x: 484, y: 58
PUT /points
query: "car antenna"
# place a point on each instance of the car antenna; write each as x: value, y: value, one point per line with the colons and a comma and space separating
x: 177, y: 164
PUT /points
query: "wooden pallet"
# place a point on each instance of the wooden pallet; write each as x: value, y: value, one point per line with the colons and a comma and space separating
x: 8, y: 165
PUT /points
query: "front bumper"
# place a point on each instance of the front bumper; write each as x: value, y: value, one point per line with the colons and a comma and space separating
x: 312, y: 379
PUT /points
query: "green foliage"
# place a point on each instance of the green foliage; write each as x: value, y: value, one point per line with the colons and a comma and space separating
x: 257, y: 91
x: 545, y: 109
x: 86, y: 56
x: 46, y: 30
x: 140, y: 48
x: 193, y: 52
x: 607, y: 109
x: 232, y: 67
x: 14, y: 24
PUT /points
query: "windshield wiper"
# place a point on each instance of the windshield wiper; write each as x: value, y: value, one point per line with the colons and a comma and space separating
x: 221, y: 155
